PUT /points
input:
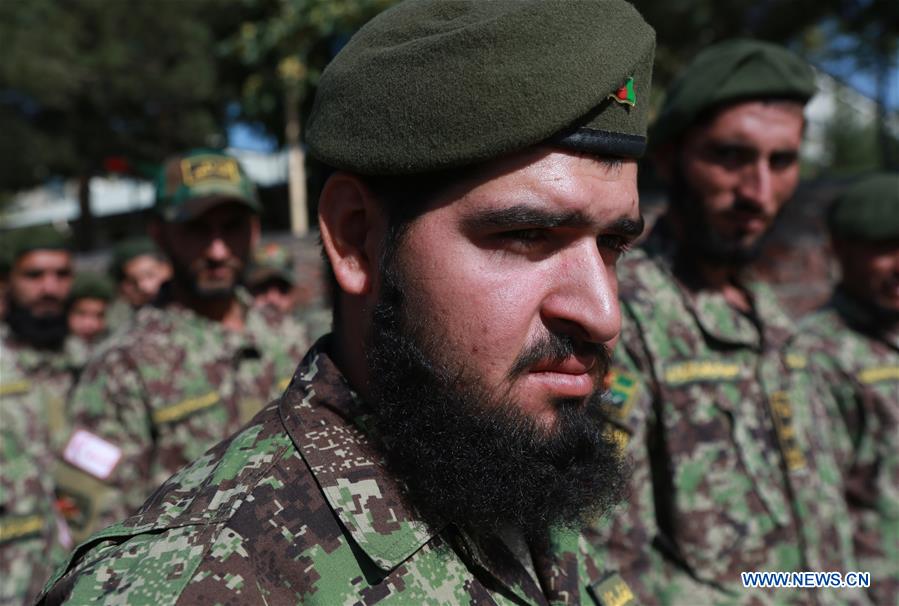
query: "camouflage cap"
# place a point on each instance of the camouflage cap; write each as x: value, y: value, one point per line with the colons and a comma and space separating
x: 189, y: 184
x: 429, y: 85
x: 126, y: 250
x: 29, y: 239
x: 867, y: 210
x: 730, y: 72
x: 91, y: 285
x: 270, y: 262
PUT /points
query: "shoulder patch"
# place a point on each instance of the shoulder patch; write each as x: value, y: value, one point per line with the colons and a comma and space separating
x: 13, y: 388
x: 701, y: 370
x: 611, y: 590
x: 92, y: 454
x: 178, y: 411
x: 20, y: 527
x: 878, y: 374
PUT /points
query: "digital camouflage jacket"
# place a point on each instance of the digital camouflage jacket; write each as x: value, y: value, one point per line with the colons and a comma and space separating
x: 298, y: 508
x: 157, y: 395
x: 732, y: 470
x: 857, y: 360
x: 33, y: 384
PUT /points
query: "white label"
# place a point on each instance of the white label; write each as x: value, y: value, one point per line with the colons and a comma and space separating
x: 92, y: 454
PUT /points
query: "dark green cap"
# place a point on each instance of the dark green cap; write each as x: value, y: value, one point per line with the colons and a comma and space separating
x: 91, y: 285
x: 730, y: 72
x: 867, y: 210
x: 270, y: 261
x: 126, y: 250
x: 430, y: 85
x: 29, y: 239
x: 189, y: 184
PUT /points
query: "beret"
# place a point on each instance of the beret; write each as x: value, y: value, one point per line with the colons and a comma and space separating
x: 29, y: 239
x: 191, y: 183
x: 270, y: 261
x: 867, y: 210
x: 429, y: 85
x: 730, y: 72
x: 91, y: 285
x: 129, y: 249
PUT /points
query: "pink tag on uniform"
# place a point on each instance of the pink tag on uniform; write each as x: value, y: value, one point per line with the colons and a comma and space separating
x: 92, y: 454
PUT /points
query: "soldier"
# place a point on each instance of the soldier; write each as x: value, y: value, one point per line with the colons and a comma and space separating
x: 139, y: 269
x: 485, y: 186
x: 731, y: 471
x: 190, y: 369
x: 35, y: 375
x: 853, y: 343
x: 90, y: 298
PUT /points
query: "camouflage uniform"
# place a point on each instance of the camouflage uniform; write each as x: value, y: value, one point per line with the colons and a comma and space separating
x: 298, y: 508
x: 157, y: 396
x: 731, y: 467
x: 30, y: 536
x: 858, y: 360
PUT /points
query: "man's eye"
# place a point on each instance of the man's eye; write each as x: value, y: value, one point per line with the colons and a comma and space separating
x: 617, y: 244
x: 529, y: 236
x: 784, y: 160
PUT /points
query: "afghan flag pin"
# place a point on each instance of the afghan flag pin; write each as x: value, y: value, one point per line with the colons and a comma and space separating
x: 626, y: 95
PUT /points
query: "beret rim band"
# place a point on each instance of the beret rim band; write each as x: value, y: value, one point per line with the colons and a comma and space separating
x: 601, y: 142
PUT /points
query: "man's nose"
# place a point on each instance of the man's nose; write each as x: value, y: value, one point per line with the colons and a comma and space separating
x: 583, y: 299
x: 218, y: 250
x: 756, y: 184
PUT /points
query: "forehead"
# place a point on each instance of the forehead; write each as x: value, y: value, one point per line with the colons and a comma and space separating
x: 44, y: 260
x: 552, y: 179
x: 88, y: 305
x: 141, y: 263
x: 756, y: 123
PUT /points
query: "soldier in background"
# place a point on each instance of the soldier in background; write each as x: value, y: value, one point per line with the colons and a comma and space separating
x: 431, y: 450
x: 853, y: 345
x: 732, y: 472
x: 91, y: 296
x: 139, y: 269
x: 36, y: 373
x: 272, y: 280
x: 191, y: 368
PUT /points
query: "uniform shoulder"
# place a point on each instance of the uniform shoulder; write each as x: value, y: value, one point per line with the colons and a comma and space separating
x: 165, y: 544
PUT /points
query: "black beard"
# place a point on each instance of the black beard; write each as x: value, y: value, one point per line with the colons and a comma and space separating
x: 470, y: 457
x: 702, y: 241
x: 41, y: 332
x: 187, y: 282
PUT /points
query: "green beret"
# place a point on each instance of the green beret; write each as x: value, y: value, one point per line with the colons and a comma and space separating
x: 91, y: 285
x: 867, y: 210
x: 730, y: 72
x: 429, y: 85
x: 29, y: 239
x: 191, y: 183
x: 271, y: 261
x: 125, y: 251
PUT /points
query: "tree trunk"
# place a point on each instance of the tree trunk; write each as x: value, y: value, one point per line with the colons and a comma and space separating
x: 84, y: 232
x: 296, y: 165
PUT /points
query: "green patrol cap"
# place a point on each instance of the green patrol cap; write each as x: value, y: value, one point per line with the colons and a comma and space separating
x: 730, y: 72
x: 270, y: 261
x: 91, y: 285
x: 126, y: 250
x: 429, y: 85
x: 867, y: 210
x: 29, y: 239
x: 189, y: 184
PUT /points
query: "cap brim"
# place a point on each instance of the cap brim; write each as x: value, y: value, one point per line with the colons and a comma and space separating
x: 194, y: 208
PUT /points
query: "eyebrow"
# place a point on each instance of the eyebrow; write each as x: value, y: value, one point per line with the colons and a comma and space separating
x: 522, y: 215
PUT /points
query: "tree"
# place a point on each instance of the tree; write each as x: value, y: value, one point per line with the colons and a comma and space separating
x: 85, y: 80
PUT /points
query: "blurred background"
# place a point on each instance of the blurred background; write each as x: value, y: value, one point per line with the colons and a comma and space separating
x: 95, y: 93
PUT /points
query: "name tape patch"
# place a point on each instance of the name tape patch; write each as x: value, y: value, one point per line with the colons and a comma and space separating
x: 92, y: 454
x: 185, y: 408
x: 17, y: 528
x: 14, y: 388
x: 701, y: 370
x: 878, y: 374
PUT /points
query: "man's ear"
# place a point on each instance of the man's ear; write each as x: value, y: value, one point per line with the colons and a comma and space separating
x: 350, y: 221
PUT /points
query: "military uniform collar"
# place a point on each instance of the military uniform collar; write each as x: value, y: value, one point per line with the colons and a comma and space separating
x: 862, y: 318
x: 765, y: 326
x: 350, y: 472
x: 32, y: 360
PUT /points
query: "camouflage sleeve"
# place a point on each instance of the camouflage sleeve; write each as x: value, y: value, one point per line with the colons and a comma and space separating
x: 104, y: 473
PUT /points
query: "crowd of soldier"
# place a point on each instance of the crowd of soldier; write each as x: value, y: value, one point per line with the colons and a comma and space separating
x: 753, y: 443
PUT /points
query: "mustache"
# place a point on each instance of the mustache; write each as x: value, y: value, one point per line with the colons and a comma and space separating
x: 556, y: 348
x: 201, y: 264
